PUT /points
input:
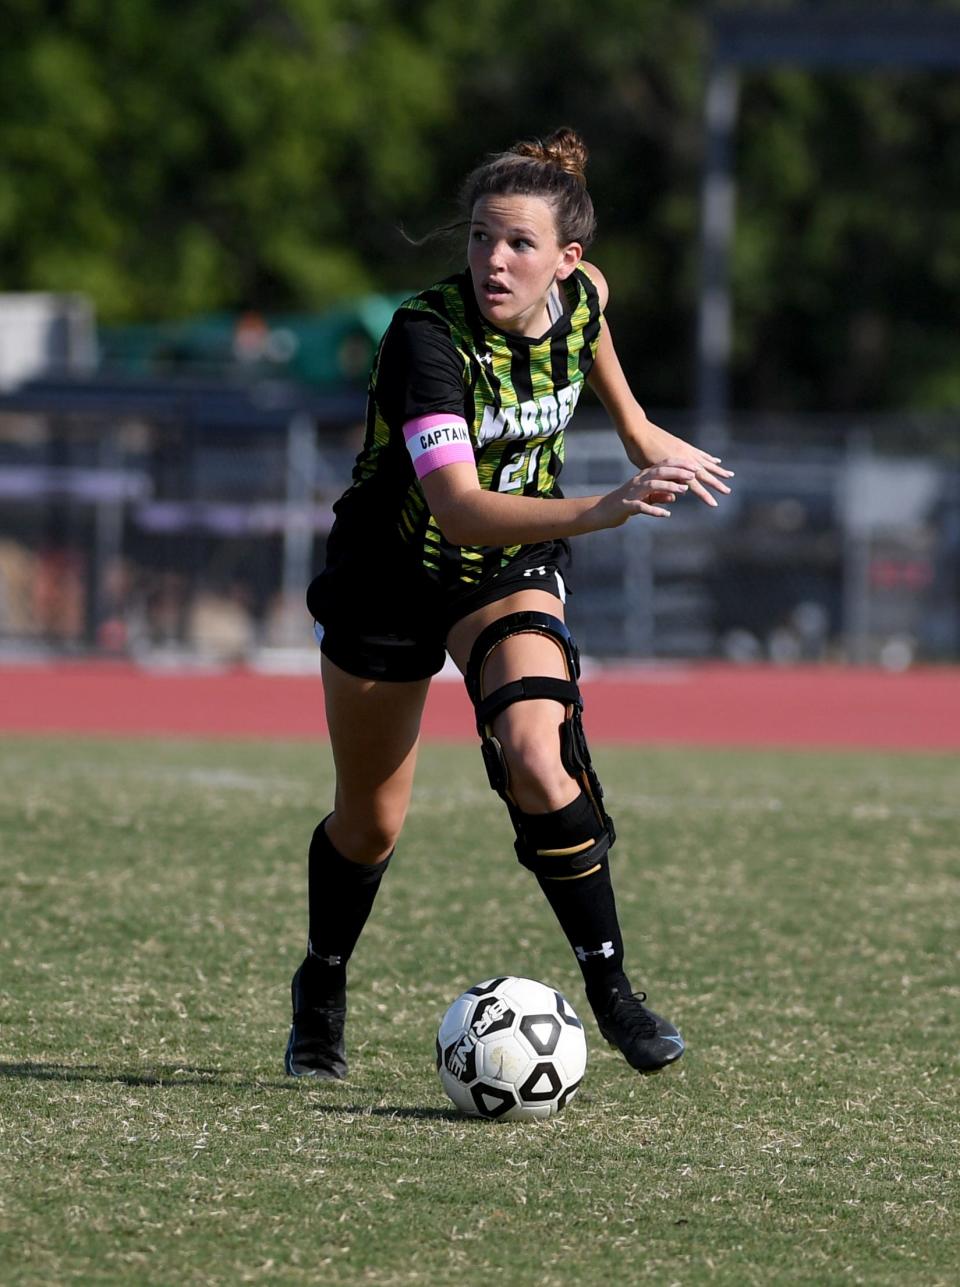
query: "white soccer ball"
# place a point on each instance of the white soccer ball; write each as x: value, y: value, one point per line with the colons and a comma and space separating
x: 511, y: 1049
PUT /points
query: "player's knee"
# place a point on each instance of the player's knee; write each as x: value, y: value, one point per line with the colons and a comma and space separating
x: 536, y: 759
x: 364, y: 838
x: 538, y: 780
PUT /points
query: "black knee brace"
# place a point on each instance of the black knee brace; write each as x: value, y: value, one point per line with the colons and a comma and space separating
x: 572, y: 841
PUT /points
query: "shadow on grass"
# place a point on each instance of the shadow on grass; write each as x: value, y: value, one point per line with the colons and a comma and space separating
x: 184, y: 1075
x: 171, y: 1075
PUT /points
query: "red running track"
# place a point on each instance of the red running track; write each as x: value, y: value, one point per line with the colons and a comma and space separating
x: 709, y: 705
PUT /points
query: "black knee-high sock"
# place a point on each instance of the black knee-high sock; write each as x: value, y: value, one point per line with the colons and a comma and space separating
x: 585, y: 906
x: 340, y: 896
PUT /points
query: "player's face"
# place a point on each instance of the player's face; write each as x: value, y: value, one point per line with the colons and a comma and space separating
x: 514, y: 259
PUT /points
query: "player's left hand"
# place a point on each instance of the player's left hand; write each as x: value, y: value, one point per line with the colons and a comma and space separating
x: 658, y: 446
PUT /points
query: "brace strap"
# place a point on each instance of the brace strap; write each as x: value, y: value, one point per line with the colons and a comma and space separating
x: 530, y: 688
x: 519, y: 623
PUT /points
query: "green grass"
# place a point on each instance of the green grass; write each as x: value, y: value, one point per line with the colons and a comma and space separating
x: 798, y: 915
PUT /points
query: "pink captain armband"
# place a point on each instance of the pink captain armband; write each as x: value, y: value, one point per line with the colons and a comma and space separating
x: 437, y: 440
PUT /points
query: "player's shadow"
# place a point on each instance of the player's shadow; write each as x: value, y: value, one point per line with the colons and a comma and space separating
x: 173, y: 1075
x: 159, y: 1075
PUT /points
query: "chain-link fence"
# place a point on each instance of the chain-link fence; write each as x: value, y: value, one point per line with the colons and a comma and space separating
x: 183, y: 524
x: 821, y: 552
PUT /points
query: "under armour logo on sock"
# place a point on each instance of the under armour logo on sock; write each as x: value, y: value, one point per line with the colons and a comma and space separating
x: 605, y: 949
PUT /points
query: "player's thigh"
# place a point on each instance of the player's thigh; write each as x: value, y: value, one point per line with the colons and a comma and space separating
x: 374, y: 728
x: 528, y: 731
x: 518, y: 649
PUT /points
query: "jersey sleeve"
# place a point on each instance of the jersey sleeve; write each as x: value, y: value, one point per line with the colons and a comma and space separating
x: 420, y: 372
x: 419, y: 390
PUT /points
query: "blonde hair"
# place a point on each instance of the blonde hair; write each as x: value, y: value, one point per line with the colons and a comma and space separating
x: 552, y: 168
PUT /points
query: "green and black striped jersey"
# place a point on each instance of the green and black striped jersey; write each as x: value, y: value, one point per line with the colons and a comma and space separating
x: 515, y: 393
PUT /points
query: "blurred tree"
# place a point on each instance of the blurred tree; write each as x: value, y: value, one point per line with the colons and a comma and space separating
x: 173, y: 158
x: 848, y: 241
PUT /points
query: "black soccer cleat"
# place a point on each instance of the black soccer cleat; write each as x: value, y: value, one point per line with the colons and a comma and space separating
x: 316, y: 1047
x: 647, y: 1042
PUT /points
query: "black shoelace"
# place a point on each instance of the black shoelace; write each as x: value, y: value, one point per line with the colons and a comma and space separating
x: 635, y: 1018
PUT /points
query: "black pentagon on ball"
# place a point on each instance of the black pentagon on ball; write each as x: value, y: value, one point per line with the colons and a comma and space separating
x: 542, y: 1031
x: 480, y: 1026
x: 482, y: 989
x: 492, y: 1101
x: 532, y: 1092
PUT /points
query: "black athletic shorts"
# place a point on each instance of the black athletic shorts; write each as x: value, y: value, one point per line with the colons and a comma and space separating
x: 389, y: 621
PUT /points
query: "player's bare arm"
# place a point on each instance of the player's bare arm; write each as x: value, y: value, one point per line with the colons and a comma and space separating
x: 644, y: 442
x: 469, y: 515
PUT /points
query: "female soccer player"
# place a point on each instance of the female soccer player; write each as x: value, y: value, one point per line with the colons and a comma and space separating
x: 453, y: 537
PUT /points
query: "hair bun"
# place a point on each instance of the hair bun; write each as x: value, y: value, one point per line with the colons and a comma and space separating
x: 564, y: 149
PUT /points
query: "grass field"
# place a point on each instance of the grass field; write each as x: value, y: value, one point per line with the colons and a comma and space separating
x: 797, y: 914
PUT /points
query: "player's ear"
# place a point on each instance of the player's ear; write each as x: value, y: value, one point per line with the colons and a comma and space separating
x: 570, y: 256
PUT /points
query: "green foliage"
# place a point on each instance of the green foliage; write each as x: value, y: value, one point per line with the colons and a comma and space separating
x: 797, y: 914
x: 174, y: 159
x: 848, y: 253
